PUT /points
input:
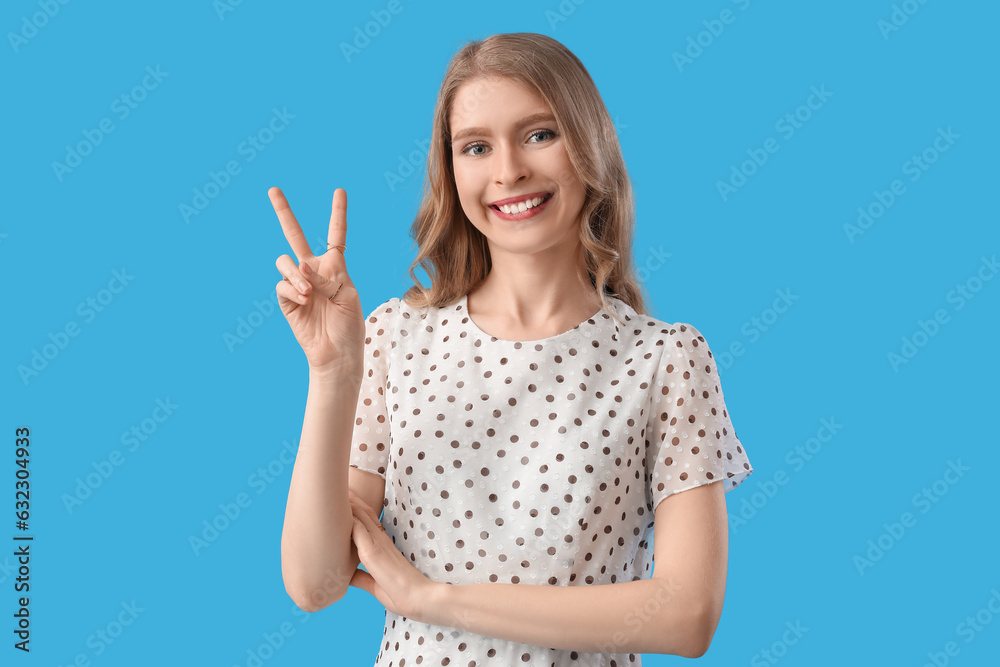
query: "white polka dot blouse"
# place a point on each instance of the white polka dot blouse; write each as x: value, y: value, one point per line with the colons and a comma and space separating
x: 532, y: 462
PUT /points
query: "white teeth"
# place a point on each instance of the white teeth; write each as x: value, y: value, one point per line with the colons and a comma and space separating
x: 521, y: 206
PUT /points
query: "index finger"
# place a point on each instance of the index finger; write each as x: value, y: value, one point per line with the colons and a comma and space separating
x: 289, y: 225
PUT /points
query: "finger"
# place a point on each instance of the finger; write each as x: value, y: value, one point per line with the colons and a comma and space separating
x: 289, y: 225
x: 358, y: 509
x: 338, y: 219
x: 362, y: 538
x: 326, y: 287
x: 363, y: 580
x: 354, y: 498
x: 368, y: 518
x: 285, y: 290
x: 357, y: 502
x: 286, y: 267
x: 366, y: 582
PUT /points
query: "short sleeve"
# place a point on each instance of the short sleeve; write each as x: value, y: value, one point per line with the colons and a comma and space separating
x: 370, y: 441
x: 690, y: 439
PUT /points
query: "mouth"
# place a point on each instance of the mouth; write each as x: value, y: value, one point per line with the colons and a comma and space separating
x: 524, y: 209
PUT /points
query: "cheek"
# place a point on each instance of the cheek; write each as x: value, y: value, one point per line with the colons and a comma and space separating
x: 564, y: 174
x: 468, y: 193
x: 461, y: 178
x: 569, y: 183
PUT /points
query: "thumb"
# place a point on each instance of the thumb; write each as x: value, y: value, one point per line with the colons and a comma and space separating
x: 311, y: 274
x: 362, y: 580
x: 320, y: 283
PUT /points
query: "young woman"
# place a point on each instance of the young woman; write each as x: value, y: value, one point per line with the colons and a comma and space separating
x: 519, y: 424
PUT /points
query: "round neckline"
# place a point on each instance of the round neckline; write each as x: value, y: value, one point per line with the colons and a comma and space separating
x: 463, y: 305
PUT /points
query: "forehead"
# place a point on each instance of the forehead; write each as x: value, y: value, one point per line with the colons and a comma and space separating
x: 487, y: 100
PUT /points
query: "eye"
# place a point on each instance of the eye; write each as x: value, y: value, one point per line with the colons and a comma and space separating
x: 542, y: 132
x: 470, y: 147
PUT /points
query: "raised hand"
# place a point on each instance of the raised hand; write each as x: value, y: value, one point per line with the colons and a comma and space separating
x: 317, y: 296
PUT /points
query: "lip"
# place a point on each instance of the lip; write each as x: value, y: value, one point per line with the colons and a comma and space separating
x: 523, y: 215
x: 511, y: 200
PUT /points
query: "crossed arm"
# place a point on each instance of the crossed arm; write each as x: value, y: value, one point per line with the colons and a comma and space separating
x: 675, y: 612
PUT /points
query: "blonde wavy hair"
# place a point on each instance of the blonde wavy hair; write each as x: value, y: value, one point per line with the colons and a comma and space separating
x: 451, y: 250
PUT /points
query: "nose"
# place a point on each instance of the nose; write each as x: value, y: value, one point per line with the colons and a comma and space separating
x: 509, y: 166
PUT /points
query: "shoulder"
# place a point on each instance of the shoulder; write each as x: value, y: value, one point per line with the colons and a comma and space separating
x: 685, y: 347
x: 668, y: 346
x: 402, y: 321
x: 386, y: 310
x: 410, y: 320
x: 381, y: 320
x: 645, y: 329
x: 685, y: 335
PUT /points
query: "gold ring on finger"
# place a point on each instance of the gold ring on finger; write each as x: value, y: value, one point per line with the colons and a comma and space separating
x: 341, y: 248
x: 336, y: 293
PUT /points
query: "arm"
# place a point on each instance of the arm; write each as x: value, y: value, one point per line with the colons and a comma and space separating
x: 675, y: 612
x: 316, y: 546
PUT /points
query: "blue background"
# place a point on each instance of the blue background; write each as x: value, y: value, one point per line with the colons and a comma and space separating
x: 797, y: 526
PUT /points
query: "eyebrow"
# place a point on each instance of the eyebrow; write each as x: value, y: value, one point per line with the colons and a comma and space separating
x: 542, y: 116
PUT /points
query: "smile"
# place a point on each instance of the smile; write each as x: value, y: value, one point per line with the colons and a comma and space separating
x: 522, y: 210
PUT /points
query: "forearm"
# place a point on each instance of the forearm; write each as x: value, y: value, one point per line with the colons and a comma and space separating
x: 316, y: 537
x: 644, y: 616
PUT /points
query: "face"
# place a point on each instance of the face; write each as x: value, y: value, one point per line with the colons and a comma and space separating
x: 513, y: 174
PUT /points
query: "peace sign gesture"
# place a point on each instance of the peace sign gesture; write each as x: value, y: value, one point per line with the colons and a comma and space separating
x: 317, y: 296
